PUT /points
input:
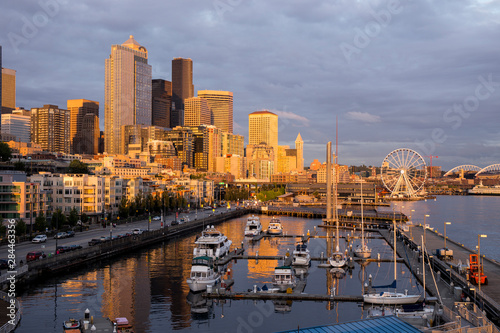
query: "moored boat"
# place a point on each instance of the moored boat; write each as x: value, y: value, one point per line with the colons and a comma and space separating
x: 212, y: 243
x: 72, y: 326
x: 284, y: 278
x: 275, y: 227
x: 253, y: 227
x: 301, y: 255
x: 338, y: 259
x: 389, y: 297
x: 203, y: 274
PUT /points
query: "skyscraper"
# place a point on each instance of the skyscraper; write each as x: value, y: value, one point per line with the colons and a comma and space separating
x: 18, y: 124
x: 196, y: 112
x: 182, y: 88
x: 8, y: 90
x: 82, y: 141
x: 50, y: 128
x: 299, y: 146
x: 1, y: 101
x: 162, y: 103
x: 221, y: 104
x: 127, y: 91
x: 263, y: 128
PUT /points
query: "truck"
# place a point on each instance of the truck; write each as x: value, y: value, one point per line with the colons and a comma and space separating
x: 476, y: 270
x: 444, y: 254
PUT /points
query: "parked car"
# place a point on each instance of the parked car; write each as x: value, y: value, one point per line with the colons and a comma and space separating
x: 156, y: 218
x: 174, y: 223
x: 94, y: 241
x: 60, y: 235
x: 137, y: 231
x: 35, y: 255
x: 4, y: 264
x: 39, y: 239
x: 70, y: 233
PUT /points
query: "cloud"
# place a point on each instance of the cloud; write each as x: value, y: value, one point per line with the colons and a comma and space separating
x: 363, y: 117
x: 293, y: 116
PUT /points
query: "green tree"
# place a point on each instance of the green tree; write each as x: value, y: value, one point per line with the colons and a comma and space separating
x: 78, y: 167
x: 123, y: 208
x: 73, y: 217
x: 5, y: 152
x: 40, y: 223
x: 20, y: 228
x: 84, y: 218
x: 58, y: 219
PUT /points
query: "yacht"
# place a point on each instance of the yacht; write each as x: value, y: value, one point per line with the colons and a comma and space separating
x: 301, y: 256
x: 203, y: 274
x: 253, y: 227
x: 275, y: 227
x: 485, y: 190
x: 212, y: 243
x: 338, y: 259
x: 284, y: 278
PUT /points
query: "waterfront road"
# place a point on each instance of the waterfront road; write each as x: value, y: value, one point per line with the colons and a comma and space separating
x: 436, y: 241
x: 82, y: 238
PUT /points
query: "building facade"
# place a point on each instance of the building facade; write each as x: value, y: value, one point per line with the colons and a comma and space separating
x: 84, y: 141
x: 182, y: 88
x: 263, y: 129
x: 17, y: 123
x: 161, y: 103
x: 196, y: 112
x: 221, y: 105
x: 232, y: 144
x: 8, y: 84
x: 50, y: 128
x: 127, y: 91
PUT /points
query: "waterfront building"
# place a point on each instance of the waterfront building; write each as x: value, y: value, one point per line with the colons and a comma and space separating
x: 196, y: 112
x: 161, y: 103
x: 133, y: 186
x: 198, y: 191
x: 232, y: 144
x: 182, y: 88
x: 113, y: 192
x: 83, y: 192
x: 221, y: 105
x: 127, y: 92
x: 84, y: 131
x: 21, y: 196
x: 260, y: 160
x: 8, y: 86
x: 50, y: 127
x: 17, y: 124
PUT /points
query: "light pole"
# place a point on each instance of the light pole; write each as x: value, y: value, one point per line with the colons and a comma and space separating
x: 445, y: 234
x: 480, y: 268
x: 411, y: 222
x: 401, y: 214
x: 425, y: 227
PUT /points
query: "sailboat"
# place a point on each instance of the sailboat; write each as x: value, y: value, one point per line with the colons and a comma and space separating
x: 362, y: 251
x: 338, y: 259
x: 388, y: 297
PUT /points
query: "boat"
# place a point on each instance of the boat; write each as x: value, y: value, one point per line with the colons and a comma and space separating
x: 389, y: 297
x: 301, y: 256
x: 338, y: 259
x: 253, y: 227
x: 284, y: 278
x: 275, y: 227
x: 212, y: 243
x: 200, y: 306
x: 362, y: 251
x: 122, y: 325
x: 484, y: 190
x: 72, y: 326
x: 203, y: 274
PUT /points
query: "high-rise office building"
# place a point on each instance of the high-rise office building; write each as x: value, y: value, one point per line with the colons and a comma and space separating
x: 196, y: 112
x: 182, y: 88
x: 82, y: 141
x: 162, y: 103
x: 299, y: 146
x: 221, y: 104
x: 8, y: 90
x: 50, y: 128
x: 263, y: 129
x: 1, y: 100
x: 233, y: 144
x: 17, y: 124
x: 127, y: 91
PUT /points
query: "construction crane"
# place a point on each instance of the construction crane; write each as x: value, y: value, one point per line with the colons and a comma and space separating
x: 431, y: 157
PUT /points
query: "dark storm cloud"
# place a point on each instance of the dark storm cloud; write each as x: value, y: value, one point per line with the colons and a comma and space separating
x: 394, y: 90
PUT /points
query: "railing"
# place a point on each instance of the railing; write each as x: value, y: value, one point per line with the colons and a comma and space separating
x: 19, y: 271
x: 12, y: 323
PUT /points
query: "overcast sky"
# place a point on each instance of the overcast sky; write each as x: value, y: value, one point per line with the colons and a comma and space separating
x: 412, y: 74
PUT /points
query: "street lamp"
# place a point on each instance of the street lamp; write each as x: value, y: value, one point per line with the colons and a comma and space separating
x: 425, y: 228
x: 480, y: 268
x: 445, y: 234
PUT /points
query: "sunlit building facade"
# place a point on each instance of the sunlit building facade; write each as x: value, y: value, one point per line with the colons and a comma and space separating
x: 182, y: 88
x: 196, y: 112
x: 17, y: 123
x: 84, y: 139
x: 50, y: 127
x: 221, y: 105
x: 128, y: 93
x: 8, y: 84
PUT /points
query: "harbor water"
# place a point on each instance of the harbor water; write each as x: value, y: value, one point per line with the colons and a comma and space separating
x: 149, y: 287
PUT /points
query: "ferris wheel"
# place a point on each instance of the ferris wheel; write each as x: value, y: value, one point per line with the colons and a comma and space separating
x: 404, y: 172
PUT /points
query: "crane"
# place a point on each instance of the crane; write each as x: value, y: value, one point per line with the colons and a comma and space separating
x: 431, y: 157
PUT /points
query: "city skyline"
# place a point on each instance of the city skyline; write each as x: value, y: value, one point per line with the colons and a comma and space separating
x: 406, y: 74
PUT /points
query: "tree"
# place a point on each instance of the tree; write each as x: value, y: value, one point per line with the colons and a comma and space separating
x: 78, y: 167
x: 123, y: 208
x: 5, y: 152
x: 40, y: 223
x: 73, y: 217
x: 84, y: 218
x: 20, y: 228
x: 58, y: 219
x: 19, y: 166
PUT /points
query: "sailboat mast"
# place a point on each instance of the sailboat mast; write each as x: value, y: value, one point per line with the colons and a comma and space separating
x: 423, y: 262
x: 394, y: 222
x: 362, y: 219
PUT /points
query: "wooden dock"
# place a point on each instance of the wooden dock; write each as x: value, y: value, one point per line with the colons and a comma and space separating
x: 259, y: 257
x: 284, y: 296
x: 232, y: 255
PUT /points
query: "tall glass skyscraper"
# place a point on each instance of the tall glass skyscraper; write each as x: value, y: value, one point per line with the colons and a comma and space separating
x: 221, y: 104
x: 127, y: 92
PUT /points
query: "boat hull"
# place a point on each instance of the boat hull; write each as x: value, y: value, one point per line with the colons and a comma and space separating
x: 364, y: 254
x: 274, y: 231
x: 301, y: 261
x: 197, y: 285
x: 390, y: 298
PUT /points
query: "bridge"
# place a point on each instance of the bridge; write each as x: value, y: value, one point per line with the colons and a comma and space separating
x: 493, y: 168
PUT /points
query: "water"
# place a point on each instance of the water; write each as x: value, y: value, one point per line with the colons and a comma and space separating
x: 149, y: 288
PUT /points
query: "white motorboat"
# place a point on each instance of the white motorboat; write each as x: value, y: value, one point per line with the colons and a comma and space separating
x: 338, y: 259
x: 389, y: 297
x: 362, y: 251
x: 284, y: 278
x: 301, y: 255
x: 203, y: 274
x: 212, y: 243
x: 275, y: 227
x: 253, y: 227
